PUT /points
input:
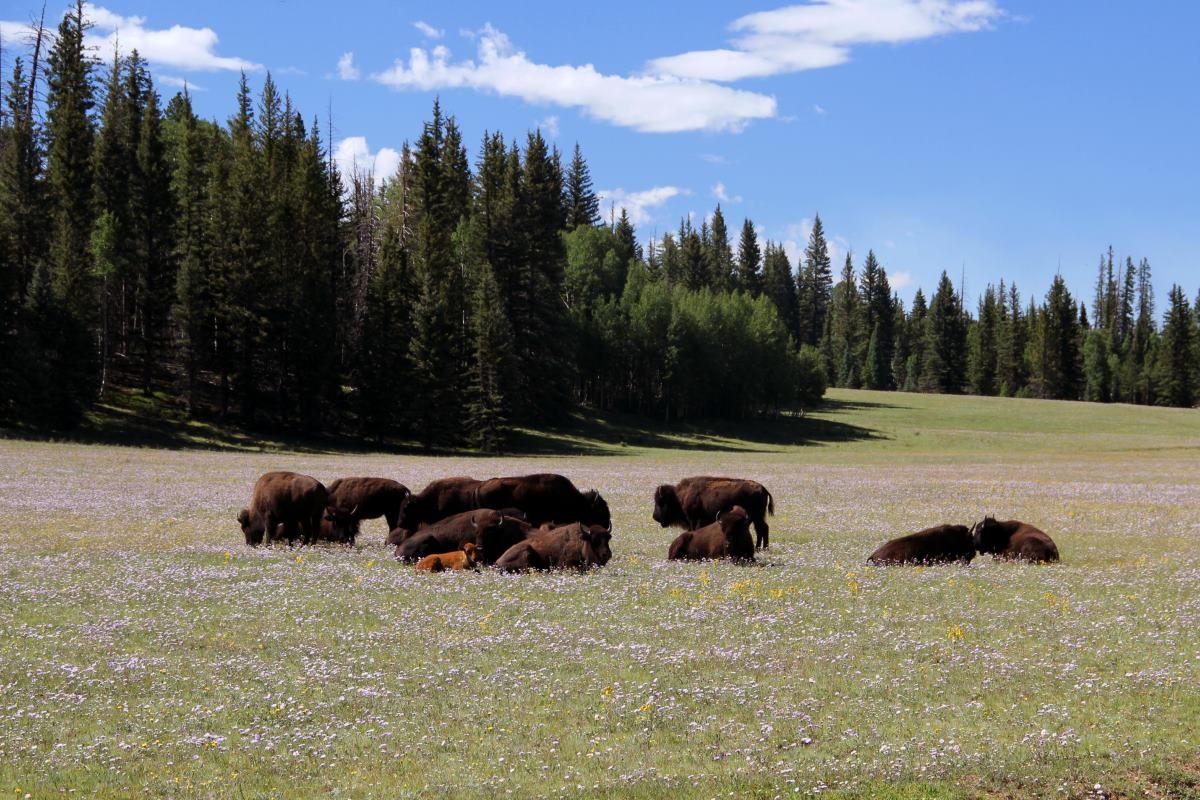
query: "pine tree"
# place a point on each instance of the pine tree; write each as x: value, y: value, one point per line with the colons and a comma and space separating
x: 1060, y: 375
x: 918, y: 343
x: 878, y: 320
x: 818, y: 284
x: 846, y: 334
x: 1176, y: 375
x: 721, y: 254
x: 983, y: 356
x: 492, y: 344
x: 946, y: 342
x: 779, y: 285
x: 749, y: 261
x: 583, y: 207
x: 629, y: 249
x: 71, y: 300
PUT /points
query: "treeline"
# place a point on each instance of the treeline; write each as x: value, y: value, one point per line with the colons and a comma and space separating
x: 231, y: 268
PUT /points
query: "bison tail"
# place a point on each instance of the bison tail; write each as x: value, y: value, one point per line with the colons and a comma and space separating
x: 770, y: 502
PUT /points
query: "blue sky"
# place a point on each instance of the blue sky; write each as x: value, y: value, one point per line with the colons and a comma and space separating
x: 1005, y: 137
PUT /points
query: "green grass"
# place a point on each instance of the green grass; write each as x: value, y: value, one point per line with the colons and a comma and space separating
x: 145, y: 651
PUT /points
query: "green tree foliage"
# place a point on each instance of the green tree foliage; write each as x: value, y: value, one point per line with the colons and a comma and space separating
x: 945, y: 342
x: 1176, y: 373
x: 582, y: 205
x: 779, y: 285
x: 983, y: 351
x: 844, y: 332
x: 748, y: 274
x: 815, y: 286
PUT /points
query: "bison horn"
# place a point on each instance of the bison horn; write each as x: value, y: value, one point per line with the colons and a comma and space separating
x: 354, y: 511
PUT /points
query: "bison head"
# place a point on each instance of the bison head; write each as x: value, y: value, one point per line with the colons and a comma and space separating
x: 417, y: 509
x: 989, y: 535
x: 486, y: 521
x: 596, y: 510
x: 597, y: 538
x: 252, y: 528
x: 667, y: 509
x: 471, y: 556
x: 735, y: 524
x: 343, y: 523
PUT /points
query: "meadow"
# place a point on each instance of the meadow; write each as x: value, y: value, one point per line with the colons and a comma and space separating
x: 145, y: 651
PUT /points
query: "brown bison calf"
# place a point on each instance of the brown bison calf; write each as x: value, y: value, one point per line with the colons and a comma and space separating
x: 352, y: 500
x: 936, y: 545
x: 728, y: 537
x: 458, y: 560
x: 575, y: 546
x: 287, y: 503
x: 695, y: 502
x: 1013, y: 540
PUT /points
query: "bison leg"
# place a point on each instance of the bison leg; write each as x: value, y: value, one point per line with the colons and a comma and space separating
x: 762, y: 532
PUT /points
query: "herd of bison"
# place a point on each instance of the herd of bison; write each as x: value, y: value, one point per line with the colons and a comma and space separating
x: 541, y: 522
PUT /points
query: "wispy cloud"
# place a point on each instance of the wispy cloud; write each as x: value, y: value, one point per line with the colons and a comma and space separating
x: 821, y: 33
x: 638, y: 205
x: 722, y: 194
x: 819, y: 110
x: 713, y: 158
x: 353, y: 155
x: 179, y: 83
x: 649, y: 103
x: 550, y: 126
x: 346, y: 69
x: 900, y: 280
x: 428, y: 30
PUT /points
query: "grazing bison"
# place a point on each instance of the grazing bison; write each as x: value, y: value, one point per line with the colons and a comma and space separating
x: 440, y: 499
x: 354, y: 499
x: 284, y: 503
x: 695, y: 502
x: 576, y: 546
x: 327, y: 532
x: 728, y: 537
x: 484, y: 525
x: 931, y: 546
x: 545, y: 498
x: 458, y: 560
x: 1013, y: 540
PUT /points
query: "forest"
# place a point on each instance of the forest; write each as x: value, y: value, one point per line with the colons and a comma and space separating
x: 230, y: 268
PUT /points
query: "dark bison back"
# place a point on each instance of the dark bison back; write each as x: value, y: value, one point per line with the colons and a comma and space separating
x: 354, y: 499
x: 1014, y: 540
x: 939, y: 544
x: 728, y: 537
x: 440, y: 499
x: 287, y: 502
x: 545, y: 497
x: 475, y: 527
x: 576, y: 546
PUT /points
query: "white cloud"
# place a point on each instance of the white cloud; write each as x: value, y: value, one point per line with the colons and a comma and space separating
x: 648, y: 103
x: 353, y: 155
x: 819, y: 110
x: 900, y: 280
x: 821, y: 33
x: 346, y: 69
x: 13, y: 33
x: 428, y: 30
x: 550, y: 126
x: 178, y: 83
x: 638, y: 204
x: 712, y: 158
x: 192, y: 49
x: 722, y: 194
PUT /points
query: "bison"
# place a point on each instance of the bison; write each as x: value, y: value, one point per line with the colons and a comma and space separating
x: 287, y: 503
x: 728, y: 537
x: 576, y: 546
x: 476, y: 527
x: 545, y: 498
x: 935, y: 545
x: 440, y: 499
x: 695, y: 502
x: 352, y: 500
x: 1013, y: 540
x: 458, y: 560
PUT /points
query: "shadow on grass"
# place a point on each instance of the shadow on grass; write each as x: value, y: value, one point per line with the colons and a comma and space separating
x: 132, y: 420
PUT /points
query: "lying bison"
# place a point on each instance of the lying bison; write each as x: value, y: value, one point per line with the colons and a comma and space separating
x: 477, y: 527
x: 352, y: 500
x: 440, y: 499
x: 728, y: 537
x: 1014, y: 541
x: 458, y: 560
x: 545, y: 498
x: 936, y: 545
x: 695, y: 502
x: 287, y: 504
x: 576, y: 546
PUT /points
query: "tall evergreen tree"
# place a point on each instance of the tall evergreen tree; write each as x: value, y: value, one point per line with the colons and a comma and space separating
x: 779, y: 285
x: 946, y: 341
x: 845, y: 329
x: 749, y: 261
x: 721, y: 254
x: 583, y: 207
x: 1176, y: 373
x: 983, y: 355
x: 817, y: 283
x: 1060, y: 367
